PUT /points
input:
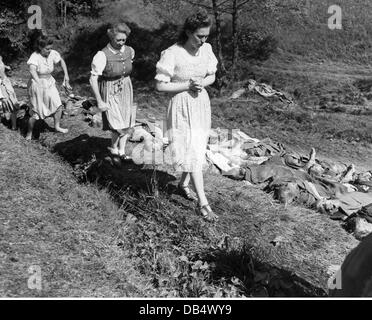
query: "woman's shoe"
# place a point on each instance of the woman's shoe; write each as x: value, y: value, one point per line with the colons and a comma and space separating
x: 187, y: 193
x: 113, y: 151
x: 123, y: 156
x: 208, y: 214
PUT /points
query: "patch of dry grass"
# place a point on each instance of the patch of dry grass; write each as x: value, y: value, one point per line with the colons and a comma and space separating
x: 50, y: 220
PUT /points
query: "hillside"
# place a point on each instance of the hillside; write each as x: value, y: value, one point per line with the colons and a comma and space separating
x: 103, y: 229
x: 144, y: 220
x: 300, y: 27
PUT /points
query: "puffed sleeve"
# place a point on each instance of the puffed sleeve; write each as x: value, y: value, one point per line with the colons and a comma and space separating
x: 165, y: 66
x: 132, y: 52
x: 212, y: 60
x: 98, y: 63
x: 56, y: 57
x: 33, y: 60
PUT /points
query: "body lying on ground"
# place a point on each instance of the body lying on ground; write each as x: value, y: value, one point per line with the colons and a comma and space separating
x: 306, y: 181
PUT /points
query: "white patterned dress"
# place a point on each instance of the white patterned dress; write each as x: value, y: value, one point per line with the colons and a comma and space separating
x: 8, y: 99
x: 44, y: 97
x: 188, y: 114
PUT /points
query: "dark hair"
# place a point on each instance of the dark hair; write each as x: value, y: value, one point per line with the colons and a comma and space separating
x: 199, y: 19
x: 42, y: 42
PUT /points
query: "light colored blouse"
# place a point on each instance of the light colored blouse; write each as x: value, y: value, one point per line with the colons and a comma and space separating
x: 44, y: 65
x: 100, y: 60
x: 176, y: 64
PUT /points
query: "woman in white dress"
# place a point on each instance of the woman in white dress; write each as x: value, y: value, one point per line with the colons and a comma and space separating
x: 184, y: 70
x: 8, y: 100
x: 43, y: 94
x: 112, y: 86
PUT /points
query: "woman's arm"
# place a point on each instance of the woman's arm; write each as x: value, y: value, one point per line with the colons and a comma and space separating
x: 66, y: 80
x: 208, y: 80
x: 176, y: 87
x: 172, y: 87
x: 93, y: 80
x: 34, y: 74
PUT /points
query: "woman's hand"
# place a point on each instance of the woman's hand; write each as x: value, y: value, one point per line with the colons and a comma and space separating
x: 66, y: 83
x: 102, y: 106
x: 196, y: 84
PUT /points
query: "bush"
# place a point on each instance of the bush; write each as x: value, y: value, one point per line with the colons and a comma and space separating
x: 255, y: 45
x: 148, y: 45
x: 13, y: 33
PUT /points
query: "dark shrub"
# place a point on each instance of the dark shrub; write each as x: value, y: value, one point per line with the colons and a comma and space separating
x: 255, y: 45
x: 147, y: 45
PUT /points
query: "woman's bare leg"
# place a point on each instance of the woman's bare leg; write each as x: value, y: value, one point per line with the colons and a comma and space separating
x: 205, y: 209
x: 30, y: 128
x: 122, y: 141
x: 185, y: 179
x: 114, y: 140
x: 198, y: 181
x: 13, y: 118
x: 57, y: 121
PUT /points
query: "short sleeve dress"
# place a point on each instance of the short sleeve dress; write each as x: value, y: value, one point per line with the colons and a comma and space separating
x: 116, y: 92
x: 188, y: 114
x: 44, y: 97
x: 8, y: 99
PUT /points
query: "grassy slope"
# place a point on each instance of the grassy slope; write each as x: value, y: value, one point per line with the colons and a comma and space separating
x: 303, y: 30
x: 250, y: 220
x: 97, y: 248
x: 66, y: 228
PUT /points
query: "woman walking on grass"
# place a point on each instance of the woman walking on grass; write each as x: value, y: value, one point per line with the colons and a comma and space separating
x: 44, y: 97
x: 112, y: 86
x: 184, y: 70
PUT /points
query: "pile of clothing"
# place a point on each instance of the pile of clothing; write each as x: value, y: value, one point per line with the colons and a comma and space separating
x: 239, y: 149
x: 263, y: 90
x: 333, y: 188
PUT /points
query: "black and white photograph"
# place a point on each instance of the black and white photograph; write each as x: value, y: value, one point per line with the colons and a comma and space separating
x: 201, y: 152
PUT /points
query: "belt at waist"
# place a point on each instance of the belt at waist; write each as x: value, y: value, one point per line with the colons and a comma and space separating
x: 102, y: 78
x: 44, y: 76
